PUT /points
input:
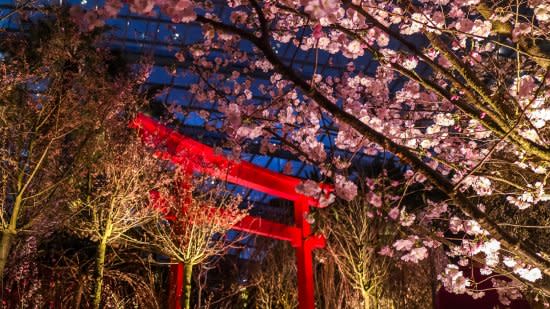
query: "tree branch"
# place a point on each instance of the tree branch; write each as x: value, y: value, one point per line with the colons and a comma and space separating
x: 523, y: 249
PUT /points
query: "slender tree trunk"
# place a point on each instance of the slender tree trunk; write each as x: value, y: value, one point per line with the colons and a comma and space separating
x: 100, y: 265
x: 5, y: 245
x: 8, y: 234
x: 366, y: 299
x: 188, y: 273
x: 79, y: 294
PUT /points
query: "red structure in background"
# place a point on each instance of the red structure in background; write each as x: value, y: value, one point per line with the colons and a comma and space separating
x: 193, y: 156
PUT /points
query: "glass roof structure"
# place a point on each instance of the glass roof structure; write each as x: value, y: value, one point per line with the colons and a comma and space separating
x: 137, y: 36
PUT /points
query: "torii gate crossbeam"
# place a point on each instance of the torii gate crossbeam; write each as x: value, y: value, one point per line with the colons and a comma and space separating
x: 194, y: 156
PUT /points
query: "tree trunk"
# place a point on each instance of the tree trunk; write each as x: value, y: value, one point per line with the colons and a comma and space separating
x: 100, y: 265
x: 366, y: 299
x: 188, y: 273
x: 79, y: 294
x: 5, y: 245
x: 8, y: 234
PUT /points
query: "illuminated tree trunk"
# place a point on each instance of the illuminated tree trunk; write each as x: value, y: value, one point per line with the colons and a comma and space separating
x: 188, y: 273
x: 366, y: 299
x: 79, y: 294
x: 5, y: 245
x: 7, y: 235
x: 100, y: 266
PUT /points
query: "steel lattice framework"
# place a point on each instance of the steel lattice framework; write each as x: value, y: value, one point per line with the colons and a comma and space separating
x: 136, y: 36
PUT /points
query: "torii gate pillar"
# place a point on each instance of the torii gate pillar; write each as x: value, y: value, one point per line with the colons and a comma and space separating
x: 304, y: 256
x: 175, y: 285
x: 303, y: 242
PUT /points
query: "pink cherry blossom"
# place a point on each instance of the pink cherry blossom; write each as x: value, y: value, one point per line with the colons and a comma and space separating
x: 453, y: 280
x: 403, y: 244
x: 455, y: 225
x: 520, y: 30
x: 394, y: 213
x: 386, y: 251
x: 532, y: 274
x: 471, y: 227
x: 309, y: 188
x: 415, y: 255
x: 374, y: 199
x: 345, y: 188
x: 506, y: 290
x: 141, y: 6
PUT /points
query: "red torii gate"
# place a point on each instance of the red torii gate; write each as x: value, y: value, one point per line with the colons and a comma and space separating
x: 197, y: 157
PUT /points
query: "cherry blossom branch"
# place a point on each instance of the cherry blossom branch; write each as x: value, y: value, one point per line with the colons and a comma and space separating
x: 465, y: 72
x: 420, y: 230
x: 533, y: 148
x: 523, y: 249
x: 430, y: 25
x: 526, y: 226
x: 533, y: 51
x: 495, y: 126
x: 291, y: 145
x: 228, y: 28
x: 262, y: 20
x: 491, y: 121
x: 515, y: 126
x: 414, y: 49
